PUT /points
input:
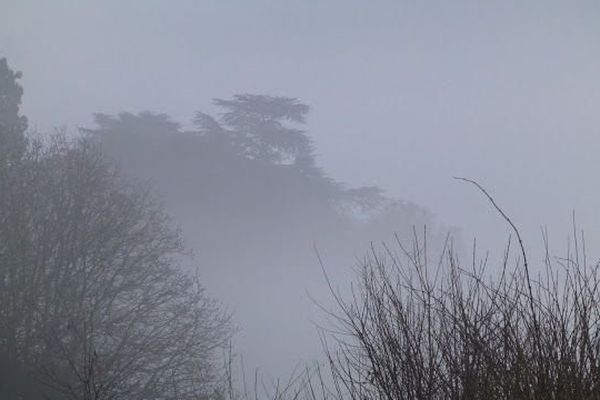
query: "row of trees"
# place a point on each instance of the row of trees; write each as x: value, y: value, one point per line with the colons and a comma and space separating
x: 252, y: 132
x: 249, y: 175
x: 93, y: 302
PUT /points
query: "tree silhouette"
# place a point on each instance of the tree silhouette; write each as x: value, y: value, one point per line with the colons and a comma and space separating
x: 258, y: 125
x: 12, y: 124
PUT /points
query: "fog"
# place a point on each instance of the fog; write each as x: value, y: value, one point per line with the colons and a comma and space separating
x: 403, y: 95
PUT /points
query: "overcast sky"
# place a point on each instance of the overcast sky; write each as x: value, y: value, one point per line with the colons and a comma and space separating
x: 404, y: 94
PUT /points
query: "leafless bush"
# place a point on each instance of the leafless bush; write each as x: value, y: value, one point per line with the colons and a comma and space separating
x: 303, y: 383
x: 416, y: 329
x: 93, y: 302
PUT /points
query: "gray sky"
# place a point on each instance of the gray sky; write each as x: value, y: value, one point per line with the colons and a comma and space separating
x: 404, y: 94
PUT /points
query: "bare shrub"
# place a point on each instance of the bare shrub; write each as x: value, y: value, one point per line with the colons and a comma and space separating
x: 416, y: 329
x: 93, y: 302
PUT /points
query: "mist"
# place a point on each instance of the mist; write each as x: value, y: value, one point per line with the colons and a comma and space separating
x: 396, y: 99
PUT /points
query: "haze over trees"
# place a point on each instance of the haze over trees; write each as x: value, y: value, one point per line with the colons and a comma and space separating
x: 98, y: 299
x: 256, y: 138
x: 96, y: 302
x: 245, y: 185
x: 233, y: 200
x: 251, y: 167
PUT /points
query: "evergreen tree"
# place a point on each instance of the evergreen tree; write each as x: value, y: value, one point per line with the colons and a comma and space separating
x: 12, y: 124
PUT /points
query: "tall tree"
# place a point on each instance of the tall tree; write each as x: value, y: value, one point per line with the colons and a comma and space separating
x: 259, y: 126
x: 93, y: 302
x: 12, y: 124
